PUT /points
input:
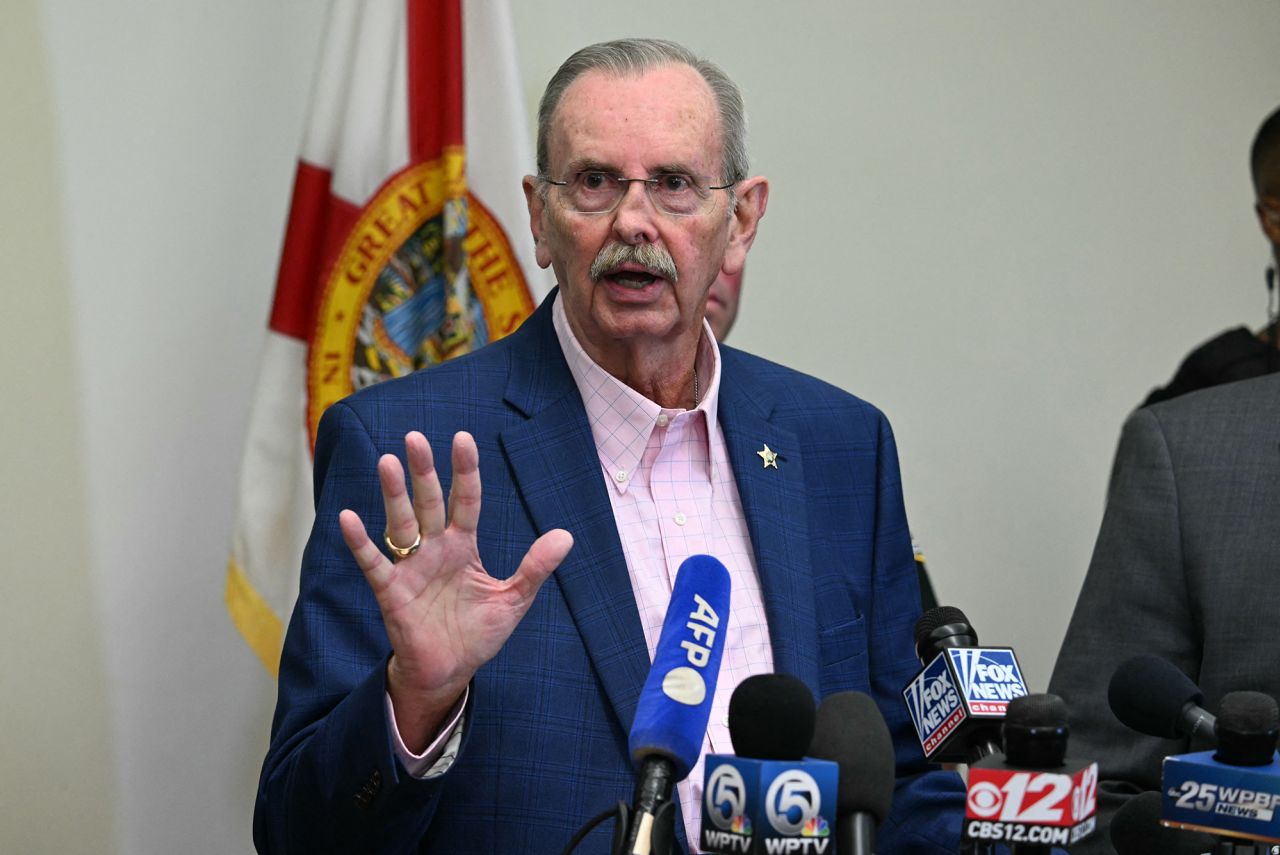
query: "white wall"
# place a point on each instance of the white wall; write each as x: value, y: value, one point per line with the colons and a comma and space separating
x: 1001, y: 222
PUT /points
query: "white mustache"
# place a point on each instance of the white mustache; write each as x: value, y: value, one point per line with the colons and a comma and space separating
x: 655, y: 260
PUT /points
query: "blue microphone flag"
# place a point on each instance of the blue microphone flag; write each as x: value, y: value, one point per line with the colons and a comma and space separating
x: 675, y: 703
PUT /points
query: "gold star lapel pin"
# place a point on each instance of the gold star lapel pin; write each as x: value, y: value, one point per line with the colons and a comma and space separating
x: 769, y: 456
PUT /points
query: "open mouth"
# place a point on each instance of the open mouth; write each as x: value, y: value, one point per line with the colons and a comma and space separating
x: 632, y: 278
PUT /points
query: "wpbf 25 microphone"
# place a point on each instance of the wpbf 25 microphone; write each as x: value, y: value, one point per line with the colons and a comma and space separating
x: 1033, y: 797
x: 1235, y: 791
x: 769, y: 798
x: 958, y: 699
x: 675, y: 703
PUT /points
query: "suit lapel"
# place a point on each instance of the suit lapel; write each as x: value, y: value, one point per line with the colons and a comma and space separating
x: 556, y: 469
x: 773, y: 501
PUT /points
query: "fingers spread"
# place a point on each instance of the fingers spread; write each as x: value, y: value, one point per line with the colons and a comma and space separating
x: 402, y: 525
x: 464, y: 494
x: 375, y: 566
x: 543, y: 557
x: 428, y: 498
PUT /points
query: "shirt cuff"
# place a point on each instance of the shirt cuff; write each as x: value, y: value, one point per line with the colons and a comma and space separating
x: 436, y: 759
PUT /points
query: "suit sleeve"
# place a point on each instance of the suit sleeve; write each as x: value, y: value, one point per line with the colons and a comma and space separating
x: 1134, y: 600
x: 331, y: 781
x: 928, y: 802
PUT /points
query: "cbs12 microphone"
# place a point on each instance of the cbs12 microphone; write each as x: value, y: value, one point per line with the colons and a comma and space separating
x: 770, y: 797
x: 1232, y: 792
x: 1033, y: 797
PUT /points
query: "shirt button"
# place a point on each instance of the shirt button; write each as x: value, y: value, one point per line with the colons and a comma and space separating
x: 620, y: 475
x: 680, y: 518
x: 662, y: 419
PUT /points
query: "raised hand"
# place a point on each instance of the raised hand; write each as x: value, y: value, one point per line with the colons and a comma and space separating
x: 444, y: 614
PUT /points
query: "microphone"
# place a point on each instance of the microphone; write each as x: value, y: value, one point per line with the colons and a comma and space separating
x: 1034, y: 797
x: 1152, y: 696
x: 958, y: 699
x: 674, y: 705
x: 769, y: 798
x: 851, y: 731
x: 1136, y: 830
x: 1235, y: 791
x: 771, y: 717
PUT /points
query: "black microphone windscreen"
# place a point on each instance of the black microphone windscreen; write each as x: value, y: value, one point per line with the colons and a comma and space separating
x: 1246, y: 729
x: 1136, y: 830
x: 1148, y: 694
x: 942, y: 627
x: 1248, y: 712
x: 771, y: 717
x: 1036, y: 711
x: 850, y: 730
x: 936, y: 617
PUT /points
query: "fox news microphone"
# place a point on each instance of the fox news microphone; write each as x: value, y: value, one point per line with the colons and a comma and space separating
x: 958, y: 699
x: 1034, y: 797
x: 675, y: 703
x: 851, y: 731
x: 1235, y: 791
x: 1152, y: 696
x: 769, y: 797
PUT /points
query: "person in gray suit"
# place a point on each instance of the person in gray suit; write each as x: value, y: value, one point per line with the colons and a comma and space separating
x: 1185, y: 567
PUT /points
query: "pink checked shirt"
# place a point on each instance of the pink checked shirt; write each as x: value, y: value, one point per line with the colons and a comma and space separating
x: 674, y: 495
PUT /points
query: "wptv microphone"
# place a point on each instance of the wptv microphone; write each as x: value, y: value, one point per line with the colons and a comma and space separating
x: 959, y: 698
x: 769, y: 797
x: 674, y: 705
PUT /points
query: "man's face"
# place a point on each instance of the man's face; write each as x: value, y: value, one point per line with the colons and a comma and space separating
x: 722, y: 303
x: 661, y: 121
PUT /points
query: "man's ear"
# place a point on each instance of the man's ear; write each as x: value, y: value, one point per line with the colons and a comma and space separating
x: 537, y: 209
x: 753, y: 198
x: 1269, y: 219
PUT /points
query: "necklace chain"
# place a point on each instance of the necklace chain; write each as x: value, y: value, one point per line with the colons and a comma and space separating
x: 697, y: 396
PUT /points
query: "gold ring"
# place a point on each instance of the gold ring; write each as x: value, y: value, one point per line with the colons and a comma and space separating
x: 405, y: 551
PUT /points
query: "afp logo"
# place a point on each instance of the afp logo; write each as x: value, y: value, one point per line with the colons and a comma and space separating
x: 684, y: 684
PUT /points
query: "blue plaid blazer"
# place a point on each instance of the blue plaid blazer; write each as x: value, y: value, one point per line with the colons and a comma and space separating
x: 545, y: 744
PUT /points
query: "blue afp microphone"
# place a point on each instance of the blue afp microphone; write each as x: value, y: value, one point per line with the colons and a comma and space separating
x: 675, y: 703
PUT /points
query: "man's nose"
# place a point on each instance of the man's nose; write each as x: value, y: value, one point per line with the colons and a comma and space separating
x: 635, y: 218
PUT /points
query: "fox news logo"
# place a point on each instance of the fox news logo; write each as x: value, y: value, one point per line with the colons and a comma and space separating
x: 988, y: 678
x: 934, y: 704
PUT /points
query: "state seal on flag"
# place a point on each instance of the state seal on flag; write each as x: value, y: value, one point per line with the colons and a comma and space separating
x: 425, y: 274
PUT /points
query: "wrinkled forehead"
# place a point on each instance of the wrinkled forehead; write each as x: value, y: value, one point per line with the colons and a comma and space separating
x: 660, y: 118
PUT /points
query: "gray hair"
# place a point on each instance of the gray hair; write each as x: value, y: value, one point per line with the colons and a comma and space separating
x: 632, y: 56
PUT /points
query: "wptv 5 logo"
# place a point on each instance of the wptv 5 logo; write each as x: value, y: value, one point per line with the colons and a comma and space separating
x: 1031, y: 806
x: 768, y: 806
x: 961, y: 684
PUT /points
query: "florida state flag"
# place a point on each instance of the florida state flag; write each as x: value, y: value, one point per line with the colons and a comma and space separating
x: 406, y: 245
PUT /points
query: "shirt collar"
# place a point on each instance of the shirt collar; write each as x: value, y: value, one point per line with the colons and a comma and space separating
x: 621, y: 418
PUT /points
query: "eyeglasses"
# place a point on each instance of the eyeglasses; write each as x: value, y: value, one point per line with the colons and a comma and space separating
x: 594, y: 192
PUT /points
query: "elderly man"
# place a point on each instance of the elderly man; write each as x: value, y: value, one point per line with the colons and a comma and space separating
x: 452, y: 694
